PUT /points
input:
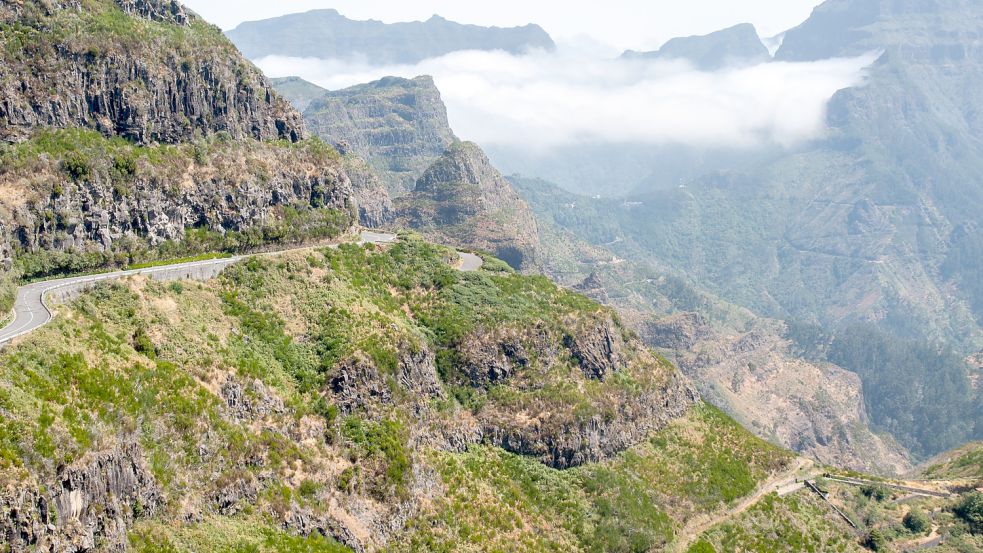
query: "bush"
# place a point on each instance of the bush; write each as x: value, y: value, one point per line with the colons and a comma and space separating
x: 875, y: 492
x: 77, y: 167
x: 970, y: 509
x: 917, y: 521
x: 876, y: 541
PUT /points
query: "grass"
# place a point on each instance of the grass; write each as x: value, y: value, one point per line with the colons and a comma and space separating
x: 249, y: 534
x: 798, y: 522
x: 151, y: 361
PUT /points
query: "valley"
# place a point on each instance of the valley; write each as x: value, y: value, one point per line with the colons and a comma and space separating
x: 257, y: 315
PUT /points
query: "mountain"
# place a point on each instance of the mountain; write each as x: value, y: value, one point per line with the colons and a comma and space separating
x: 872, y: 231
x: 753, y: 367
x: 125, y: 125
x: 327, y: 34
x: 737, y: 45
x: 462, y: 199
x: 297, y: 91
x: 145, y: 70
x: 399, y: 126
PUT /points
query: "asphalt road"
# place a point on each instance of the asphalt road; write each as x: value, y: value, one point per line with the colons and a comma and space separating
x: 32, y: 311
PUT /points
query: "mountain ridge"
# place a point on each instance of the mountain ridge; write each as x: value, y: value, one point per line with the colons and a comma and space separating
x: 327, y: 34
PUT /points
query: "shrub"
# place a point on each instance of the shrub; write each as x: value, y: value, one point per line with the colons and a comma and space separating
x: 876, y: 541
x: 970, y: 509
x: 917, y: 521
x: 76, y: 166
x: 875, y: 492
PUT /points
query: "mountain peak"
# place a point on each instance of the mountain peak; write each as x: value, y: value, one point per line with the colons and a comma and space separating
x: 739, y: 44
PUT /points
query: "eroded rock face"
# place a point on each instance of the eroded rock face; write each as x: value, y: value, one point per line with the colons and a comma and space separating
x: 597, y: 347
x: 358, y: 383
x: 557, y: 434
x: 399, y: 126
x: 167, y: 11
x: 570, y: 443
x: 463, y: 200
x: 681, y: 331
x: 93, y: 501
x: 233, y: 189
x: 141, y: 89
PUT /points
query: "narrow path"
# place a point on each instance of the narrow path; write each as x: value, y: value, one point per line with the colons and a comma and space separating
x: 32, y: 310
x: 783, y: 483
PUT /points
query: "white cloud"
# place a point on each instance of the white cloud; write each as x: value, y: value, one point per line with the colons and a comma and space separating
x: 541, y: 100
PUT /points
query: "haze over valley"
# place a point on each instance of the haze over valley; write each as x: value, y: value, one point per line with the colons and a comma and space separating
x: 435, y: 276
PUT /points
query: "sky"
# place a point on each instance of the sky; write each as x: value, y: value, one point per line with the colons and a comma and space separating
x: 621, y: 24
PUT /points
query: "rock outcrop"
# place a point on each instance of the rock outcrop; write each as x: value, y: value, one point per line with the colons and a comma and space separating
x: 399, y: 126
x: 91, y: 502
x: 463, y: 200
x: 327, y: 34
x: 559, y: 433
x: 222, y: 187
x: 170, y: 78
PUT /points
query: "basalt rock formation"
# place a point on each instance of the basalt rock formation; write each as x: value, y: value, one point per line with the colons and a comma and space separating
x: 162, y: 75
x: 130, y: 121
x: 399, y: 126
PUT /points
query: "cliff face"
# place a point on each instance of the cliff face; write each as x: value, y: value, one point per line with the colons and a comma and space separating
x: 74, y: 191
x: 461, y: 199
x: 397, y: 125
x: 329, y: 35
x: 146, y: 70
x: 130, y: 121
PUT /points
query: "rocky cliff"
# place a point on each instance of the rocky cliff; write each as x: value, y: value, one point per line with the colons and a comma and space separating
x: 462, y: 199
x: 327, y: 34
x: 399, y: 126
x: 146, y: 70
x: 130, y: 122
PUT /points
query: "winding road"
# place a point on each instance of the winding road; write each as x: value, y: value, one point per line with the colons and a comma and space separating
x: 32, y: 309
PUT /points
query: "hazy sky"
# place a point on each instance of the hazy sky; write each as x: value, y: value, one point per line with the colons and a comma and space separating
x: 620, y: 23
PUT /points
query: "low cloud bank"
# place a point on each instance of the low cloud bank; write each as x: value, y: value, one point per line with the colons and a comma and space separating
x: 541, y: 100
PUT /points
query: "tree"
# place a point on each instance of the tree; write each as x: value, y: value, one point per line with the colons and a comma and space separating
x: 917, y: 521
x: 970, y: 509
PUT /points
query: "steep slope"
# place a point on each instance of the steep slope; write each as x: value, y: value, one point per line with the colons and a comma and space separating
x: 737, y: 45
x: 398, y: 125
x: 144, y: 70
x: 327, y: 34
x: 875, y: 226
x: 345, y: 392
x: 748, y: 365
x: 129, y: 123
x: 461, y: 199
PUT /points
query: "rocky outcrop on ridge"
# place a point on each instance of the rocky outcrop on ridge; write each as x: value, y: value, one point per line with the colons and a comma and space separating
x: 463, y: 200
x: 167, y: 76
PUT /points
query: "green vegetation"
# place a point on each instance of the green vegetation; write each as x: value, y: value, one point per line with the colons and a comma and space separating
x: 919, y: 393
x: 132, y: 169
x: 970, y: 510
x: 229, y: 535
x: 917, y: 521
x: 965, y: 462
x: 158, y: 359
x: 798, y: 523
x: 635, y: 502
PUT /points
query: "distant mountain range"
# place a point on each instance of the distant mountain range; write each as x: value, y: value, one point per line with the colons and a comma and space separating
x: 327, y: 34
